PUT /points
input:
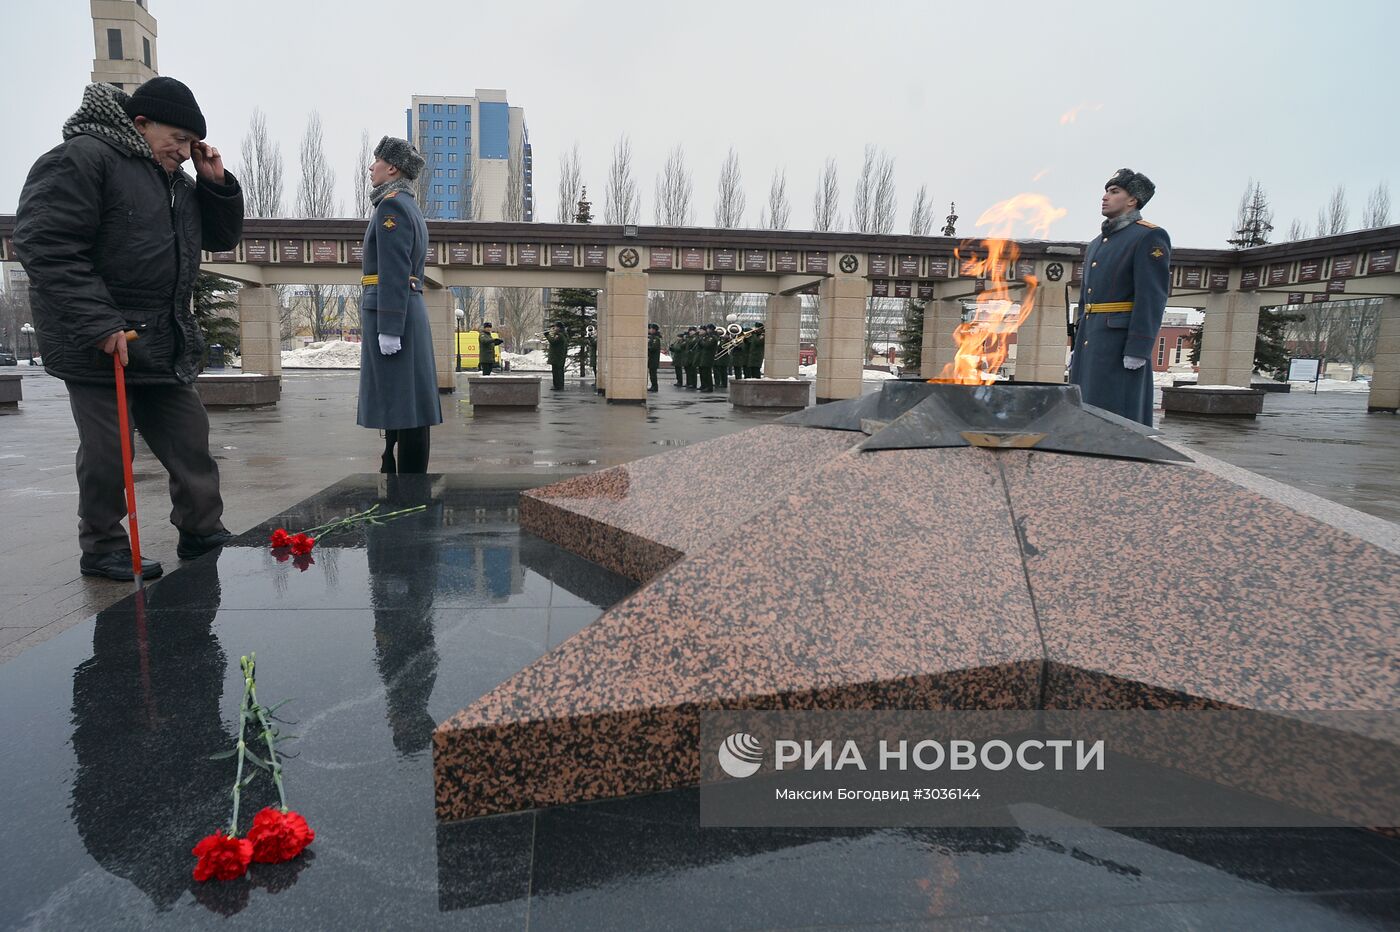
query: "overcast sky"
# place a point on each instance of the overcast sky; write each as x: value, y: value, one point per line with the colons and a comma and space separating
x: 978, y: 101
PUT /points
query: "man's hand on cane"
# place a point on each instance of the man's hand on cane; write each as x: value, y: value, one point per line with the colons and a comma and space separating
x: 116, y: 343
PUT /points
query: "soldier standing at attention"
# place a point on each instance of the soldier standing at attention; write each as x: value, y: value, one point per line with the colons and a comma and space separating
x: 1127, y: 278
x: 692, y: 357
x: 486, y: 343
x: 753, y: 352
x: 677, y: 351
x: 653, y: 355
x: 706, y: 343
x: 557, y: 352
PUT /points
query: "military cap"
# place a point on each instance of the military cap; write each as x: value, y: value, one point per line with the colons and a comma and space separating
x: 1136, y: 184
x: 401, y: 154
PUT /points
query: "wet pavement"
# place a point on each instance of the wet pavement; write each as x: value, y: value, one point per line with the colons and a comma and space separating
x: 390, y: 629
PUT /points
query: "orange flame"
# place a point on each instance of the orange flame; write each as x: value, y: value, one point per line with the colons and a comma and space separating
x: 983, y: 341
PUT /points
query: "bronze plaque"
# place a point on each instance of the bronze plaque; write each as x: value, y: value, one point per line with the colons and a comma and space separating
x: 755, y: 260
x: 459, y: 253
x: 325, y: 250
x: 880, y: 288
x: 714, y: 283
x: 925, y: 291
x: 818, y: 262
x: 493, y: 254
x: 1278, y: 274
x: 940, y: 267
x: 726, y: 260
x: 879, y: 265
x: 1219, y: 279
x: 692, y: 259
x: 228, y: 256
x: 291, y: 250
x: 1337, y: 286
x: 561, y: 256
x: 662, y: 257
x: 1191, y: 276
x: 1296, y: 297
x: 785, y: 261
x: 1321, y: 298
x: 527, y: 253
x: 1381, y: 260
x: 909, y: 266
x: 595, y: 257
x: 1343, y: 266
x: 903, y: 289
x: 1309, y: 270
x: 356, y: 251
x: 1249, y: 279
x: 1077, y: 276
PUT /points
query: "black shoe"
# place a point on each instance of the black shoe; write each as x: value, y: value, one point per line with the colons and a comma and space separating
x: 195, y: 545
x: 116, y: 564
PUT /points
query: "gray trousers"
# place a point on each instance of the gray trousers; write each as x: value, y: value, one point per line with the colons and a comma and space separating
x: 174, y: 425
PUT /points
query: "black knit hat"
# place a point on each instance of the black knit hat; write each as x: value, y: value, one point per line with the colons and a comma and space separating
x: 168, y: 101
x: 1137, y: 185
x: 401, y: 154
x: 653, y: 327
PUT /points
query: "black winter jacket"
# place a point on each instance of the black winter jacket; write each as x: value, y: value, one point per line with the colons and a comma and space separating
x: 111, y: 242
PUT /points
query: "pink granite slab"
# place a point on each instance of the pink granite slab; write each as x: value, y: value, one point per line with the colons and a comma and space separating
x: 641, y: 517
x: 888, y: 580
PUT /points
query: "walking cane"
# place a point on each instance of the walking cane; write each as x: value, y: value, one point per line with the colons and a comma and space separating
x: 125, y: 428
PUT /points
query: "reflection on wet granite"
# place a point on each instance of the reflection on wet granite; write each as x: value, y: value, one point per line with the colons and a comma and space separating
x: 108, y: 726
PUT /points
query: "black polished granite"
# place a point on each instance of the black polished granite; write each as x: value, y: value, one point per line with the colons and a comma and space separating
x: 105, y: 782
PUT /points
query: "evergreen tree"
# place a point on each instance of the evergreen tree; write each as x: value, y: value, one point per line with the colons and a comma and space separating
x: 911, y: 336
x: 574, y: 308
x: 211, y: 303
x: 1270, y: 352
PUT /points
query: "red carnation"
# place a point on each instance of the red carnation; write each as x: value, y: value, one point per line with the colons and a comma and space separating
x: 278, y: 836
x: 302, y: 543
x: 222, y: 857
x: 302, y: 561
x: 280, y: 538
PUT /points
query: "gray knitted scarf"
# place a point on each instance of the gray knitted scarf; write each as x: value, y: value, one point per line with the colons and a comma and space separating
x: 101, y: 114
x: 1119, y: 223
x: 379, y: 192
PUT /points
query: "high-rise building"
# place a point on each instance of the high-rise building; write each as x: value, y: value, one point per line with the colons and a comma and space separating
x: 124, y: 37
x: 479, y: 164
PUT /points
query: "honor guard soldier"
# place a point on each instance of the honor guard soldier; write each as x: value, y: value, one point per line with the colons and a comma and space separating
x: 557, y: 352
x: 486, y: 343
x: 753, y: 352
x: 1127, y: 278
x: 653, y: 355
x: 677, y: 351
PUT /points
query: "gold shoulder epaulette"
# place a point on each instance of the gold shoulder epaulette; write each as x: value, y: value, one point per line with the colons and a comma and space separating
x: 1149, y: 225
x: 396, y: 194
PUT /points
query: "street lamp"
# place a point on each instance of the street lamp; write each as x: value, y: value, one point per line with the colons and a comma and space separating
x: 461, y: 316
x: 28, y: 330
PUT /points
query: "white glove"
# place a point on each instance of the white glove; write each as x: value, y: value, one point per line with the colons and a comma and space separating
x: 389, y: 344
x: 1129, y: 362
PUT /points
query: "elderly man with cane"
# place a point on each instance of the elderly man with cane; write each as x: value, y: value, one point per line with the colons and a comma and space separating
x: 110, y: 230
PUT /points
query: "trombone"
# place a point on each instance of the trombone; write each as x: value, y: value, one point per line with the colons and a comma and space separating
x: 736, y: 337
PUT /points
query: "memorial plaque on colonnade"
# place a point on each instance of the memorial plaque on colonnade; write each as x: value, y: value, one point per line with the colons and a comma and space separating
x: 1310, y: 270
x: 1343, y: 266
x: 527, y: 254
x: 493, y: 254
x: 1249, y: 279
x: 726, y: 260
x: 1382, y: 260
x: 940, y: 267
x: 693, y: 260
x: 1321, y: 298
x: 1278, y: 274
x: 226, y: 256
x: 662, y: 257
x: 1025, y: 268
x: 1077, y: 275
x: 1219, y: 279
x: 879, y: 265
x: 755, y: 260
x: 595, y: 257
x: 909, y: 266
x: 1296, y: 297
x: 903, y: 289
x: 290, y: 250
x: 459, y: 253
x: 356, y: 253
x: 785, y: 260
x: 561, y: 256
x: 925, y: 291
x: 818, y: 262
x: 880, y: 288
x: 257, y: 250
x: 714, y: 283
x: 325, y: 251
x: 1337, y: 286
x: 1191, y: 276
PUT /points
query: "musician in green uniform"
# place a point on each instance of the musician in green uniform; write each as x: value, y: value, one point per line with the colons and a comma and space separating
x: 653, y: 355
x: 707, y: 343
x: 677, y: 351
x: 557, y: 352
x: 692, y: 357
x: 753, y: 352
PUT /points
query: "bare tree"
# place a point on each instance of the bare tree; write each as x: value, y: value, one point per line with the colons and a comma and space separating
x: 316, y: 199
x: 775, y: 215
x: 729, y: 198
x: 513, y: 201
x: 826, y: 214
x: 674, y: 190
x: 1332, y: 218
x: 519, y: 314
x: 260, y: 174
x: 874, y: 207
x: 363, y: 207
x: 570, y: 184
x: 921, y: 217
x: 1377, y: 212
x: 622, y: 202
x: 1255, y: 219
x: 1296, y: 230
